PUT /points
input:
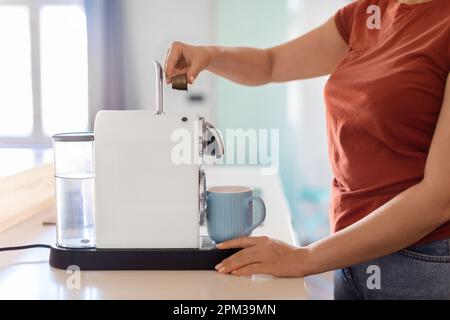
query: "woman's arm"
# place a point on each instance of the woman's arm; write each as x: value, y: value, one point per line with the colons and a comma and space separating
x: 314, y: 54
x: 399, y: 223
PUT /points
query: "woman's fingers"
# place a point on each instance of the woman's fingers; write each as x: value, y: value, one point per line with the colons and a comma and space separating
x: 183, y: 58
x: 193, y: 71
x: 242, y: 242
x: 255, y: 268
x: 262, y: 255
x: 174, y: 54
x: 239, y: 260
x: 182, y: 63
x: 165, y: 65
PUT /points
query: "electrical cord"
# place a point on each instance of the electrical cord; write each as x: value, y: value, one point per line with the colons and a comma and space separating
x: 30, y: 246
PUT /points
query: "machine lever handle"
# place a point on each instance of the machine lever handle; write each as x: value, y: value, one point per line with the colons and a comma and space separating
x: 159, y: 108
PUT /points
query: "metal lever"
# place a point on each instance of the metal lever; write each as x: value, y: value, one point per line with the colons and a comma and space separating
x: 220, y: 150
x: 159, y: 88
x: 202, y: 198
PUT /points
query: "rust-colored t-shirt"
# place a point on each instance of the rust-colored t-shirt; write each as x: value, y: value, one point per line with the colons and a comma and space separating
x: 383, y: 102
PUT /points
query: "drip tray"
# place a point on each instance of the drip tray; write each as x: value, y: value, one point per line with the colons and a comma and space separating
x: 204, y: 258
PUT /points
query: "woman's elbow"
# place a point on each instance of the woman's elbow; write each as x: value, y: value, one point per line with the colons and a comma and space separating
x: 447, y: 209
x: 439, y: 199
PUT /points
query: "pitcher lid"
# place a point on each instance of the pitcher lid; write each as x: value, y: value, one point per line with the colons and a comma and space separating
x: 74, y: 137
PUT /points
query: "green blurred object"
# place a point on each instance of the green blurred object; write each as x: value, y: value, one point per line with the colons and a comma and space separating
x: 262, y: 24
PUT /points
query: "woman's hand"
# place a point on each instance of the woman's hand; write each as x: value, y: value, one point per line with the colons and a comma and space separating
x: 183, y: 58
x: 262, y: 255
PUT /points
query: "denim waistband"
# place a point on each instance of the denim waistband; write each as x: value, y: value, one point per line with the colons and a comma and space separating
x: 435, y: 248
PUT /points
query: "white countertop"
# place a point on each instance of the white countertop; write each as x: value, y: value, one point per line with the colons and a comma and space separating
x: 27, y: 274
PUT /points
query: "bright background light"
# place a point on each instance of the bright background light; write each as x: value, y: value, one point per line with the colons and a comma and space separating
x: 16, y: 98
x: 64, y: 79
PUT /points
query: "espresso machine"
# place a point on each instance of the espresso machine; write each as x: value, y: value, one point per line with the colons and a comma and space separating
x: 149, y: 197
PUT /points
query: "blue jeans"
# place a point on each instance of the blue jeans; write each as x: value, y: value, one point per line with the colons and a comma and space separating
x: 417, y: 272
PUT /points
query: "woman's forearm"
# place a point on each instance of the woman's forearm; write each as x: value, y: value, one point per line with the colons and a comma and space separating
x: 399, y: 223
x: 247, y: 66
x: 313, y: 54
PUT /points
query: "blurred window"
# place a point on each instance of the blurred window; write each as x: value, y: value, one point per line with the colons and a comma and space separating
x: 43, y: 63
x: 16, y: 99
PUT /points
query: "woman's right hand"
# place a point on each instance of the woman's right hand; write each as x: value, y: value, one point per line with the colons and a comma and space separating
x: 184, y: 58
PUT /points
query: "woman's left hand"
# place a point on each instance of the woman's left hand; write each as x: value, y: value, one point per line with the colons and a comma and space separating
x: 262, y: 255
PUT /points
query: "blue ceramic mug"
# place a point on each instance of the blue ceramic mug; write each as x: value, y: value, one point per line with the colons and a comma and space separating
x: 230, y: 212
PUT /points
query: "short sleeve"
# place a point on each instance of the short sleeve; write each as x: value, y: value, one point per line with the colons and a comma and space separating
x: 344, y: 20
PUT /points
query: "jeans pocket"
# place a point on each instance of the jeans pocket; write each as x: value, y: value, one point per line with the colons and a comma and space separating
x: 348, y: 275
x: 437, y: 252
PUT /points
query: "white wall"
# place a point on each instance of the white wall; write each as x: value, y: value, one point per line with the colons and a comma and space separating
x: 306, y: 108
x: 149, y: 28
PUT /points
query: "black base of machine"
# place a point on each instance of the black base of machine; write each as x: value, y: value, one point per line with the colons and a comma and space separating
x: 138, y: 259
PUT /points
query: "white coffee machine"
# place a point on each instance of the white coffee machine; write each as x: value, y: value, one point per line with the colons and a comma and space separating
x: 150, y: 191
x: 148, y: 174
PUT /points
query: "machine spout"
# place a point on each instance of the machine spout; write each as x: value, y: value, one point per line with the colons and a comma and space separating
x: 159, y: 88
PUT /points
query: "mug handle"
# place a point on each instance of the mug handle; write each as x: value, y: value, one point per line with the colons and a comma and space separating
x: 262, y: 212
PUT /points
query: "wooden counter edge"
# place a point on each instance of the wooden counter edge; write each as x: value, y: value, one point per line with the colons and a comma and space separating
x: 25, y: 194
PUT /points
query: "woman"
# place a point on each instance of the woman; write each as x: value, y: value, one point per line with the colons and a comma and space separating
x: 388, y: 121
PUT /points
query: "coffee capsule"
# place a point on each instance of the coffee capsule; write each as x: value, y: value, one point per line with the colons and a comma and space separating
x: 180, y: 82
